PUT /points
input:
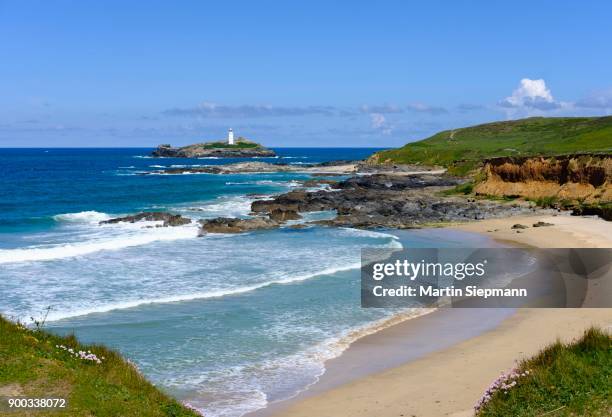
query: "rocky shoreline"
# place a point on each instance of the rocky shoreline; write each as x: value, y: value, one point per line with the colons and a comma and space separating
x: 375, y: 200
x: 391, y: 201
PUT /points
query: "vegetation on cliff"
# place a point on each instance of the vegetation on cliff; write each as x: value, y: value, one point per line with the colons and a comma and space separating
x: 241, y: 148
x: 241, y: 143
x: 461, y: 150
x: 562, y: 380
x: 94, y: 380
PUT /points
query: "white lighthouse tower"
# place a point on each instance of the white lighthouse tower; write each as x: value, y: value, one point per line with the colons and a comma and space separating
x: 230, y: 137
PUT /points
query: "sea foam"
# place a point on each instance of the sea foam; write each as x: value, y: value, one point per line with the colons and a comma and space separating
x: 59, y: 315
x: 80, y: 248
x: 90, y: 216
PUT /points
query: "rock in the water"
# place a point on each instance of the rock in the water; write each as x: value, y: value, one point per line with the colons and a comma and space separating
x: 168, y: 219
x: 241, y: 149
x: 232, y: 225
x: 282, y: 215
x: 318, y: 182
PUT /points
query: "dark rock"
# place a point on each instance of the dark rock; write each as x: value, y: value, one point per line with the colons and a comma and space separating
x: 391, y: 201
x: 169, y: 219
x: 604, y: 211
x: 337, y: 162
x: 293, y: 200
x: 398, y: 182
x: 232, y: 225
x: 282, y: 215
x: 519, y: 226
x: 542, y: 224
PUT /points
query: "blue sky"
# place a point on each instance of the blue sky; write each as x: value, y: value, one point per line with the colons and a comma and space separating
x: 343, y: 73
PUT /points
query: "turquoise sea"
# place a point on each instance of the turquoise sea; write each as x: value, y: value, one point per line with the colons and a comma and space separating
x: 227, y: 323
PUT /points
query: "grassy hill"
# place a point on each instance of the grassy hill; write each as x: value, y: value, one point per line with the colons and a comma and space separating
x: 97, y: 382
x: 463, y: 149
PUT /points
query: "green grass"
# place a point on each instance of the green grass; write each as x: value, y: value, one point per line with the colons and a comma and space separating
x: 548, y: 202
x: 32, y: 366
x: 461, y: 150
x: 461, y: 189
x: 225, y: 145
x: 565, y: 380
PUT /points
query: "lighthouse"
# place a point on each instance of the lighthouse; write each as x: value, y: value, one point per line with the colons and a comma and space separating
x: 230, y: 137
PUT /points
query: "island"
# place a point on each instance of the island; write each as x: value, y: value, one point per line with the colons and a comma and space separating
x: 230, y: 148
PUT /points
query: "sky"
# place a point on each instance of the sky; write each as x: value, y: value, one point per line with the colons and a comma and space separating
x: 314, y: 73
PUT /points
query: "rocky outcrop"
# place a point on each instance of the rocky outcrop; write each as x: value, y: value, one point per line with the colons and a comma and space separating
x: 397, y: 182
x: 572, y: 178
x: 391, y: 201
x: 232, y: 225
x: 168, y: 219
x: 282, y: 215
x: 242, y: 149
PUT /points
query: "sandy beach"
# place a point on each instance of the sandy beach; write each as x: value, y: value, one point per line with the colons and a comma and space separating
x: 457, y: 368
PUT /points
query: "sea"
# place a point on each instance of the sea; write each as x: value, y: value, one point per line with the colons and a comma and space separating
x: 225, y: 323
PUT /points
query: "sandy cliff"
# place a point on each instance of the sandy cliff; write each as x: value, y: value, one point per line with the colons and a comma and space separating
x: 572, y: 178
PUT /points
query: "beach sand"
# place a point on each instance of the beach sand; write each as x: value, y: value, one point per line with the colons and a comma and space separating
x: 454, y: 367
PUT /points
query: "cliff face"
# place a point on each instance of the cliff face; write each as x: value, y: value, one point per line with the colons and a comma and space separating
x: 574, y: 178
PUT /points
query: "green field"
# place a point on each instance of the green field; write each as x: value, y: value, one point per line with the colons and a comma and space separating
x: 563, y: 380
x: 33, y: 366
x: 464, y: 149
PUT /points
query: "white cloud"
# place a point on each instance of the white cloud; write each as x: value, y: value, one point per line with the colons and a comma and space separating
x: 532, y: 95
x: 378, y: 120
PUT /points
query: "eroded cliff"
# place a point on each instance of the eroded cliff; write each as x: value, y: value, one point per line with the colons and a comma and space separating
x: 578, y: 178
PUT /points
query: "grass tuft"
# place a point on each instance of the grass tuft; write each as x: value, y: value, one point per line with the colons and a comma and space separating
x: 564, y: 380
